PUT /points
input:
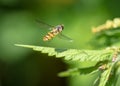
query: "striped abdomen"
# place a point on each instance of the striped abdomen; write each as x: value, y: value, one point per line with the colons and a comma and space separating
x: 51, y: 34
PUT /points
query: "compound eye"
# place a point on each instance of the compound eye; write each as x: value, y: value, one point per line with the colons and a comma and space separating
x: 62, y: 27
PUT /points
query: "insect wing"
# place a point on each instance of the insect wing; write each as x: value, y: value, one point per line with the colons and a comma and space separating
x: 44, y: 25
x: 62, y: 36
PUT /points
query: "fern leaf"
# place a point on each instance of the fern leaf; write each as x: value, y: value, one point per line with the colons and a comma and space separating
x: 79, y: 71
x: 74, y: 54
x: 104, y: 77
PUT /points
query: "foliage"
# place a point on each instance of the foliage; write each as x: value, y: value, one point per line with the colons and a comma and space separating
x: 107, y: 60
x: 107, y: 34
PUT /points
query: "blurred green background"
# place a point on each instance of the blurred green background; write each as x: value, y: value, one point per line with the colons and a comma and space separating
x: 25, y: 67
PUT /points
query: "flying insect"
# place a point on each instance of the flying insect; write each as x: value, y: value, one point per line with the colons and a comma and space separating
x: 54, y: 31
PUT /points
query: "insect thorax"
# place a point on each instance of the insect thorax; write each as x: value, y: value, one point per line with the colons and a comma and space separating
x: 59, y: 28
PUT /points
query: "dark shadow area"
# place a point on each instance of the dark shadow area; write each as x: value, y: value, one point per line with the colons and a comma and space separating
x: 35, y: 70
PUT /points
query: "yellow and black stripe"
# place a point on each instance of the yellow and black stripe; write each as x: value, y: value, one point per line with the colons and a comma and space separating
x: 50, y: 35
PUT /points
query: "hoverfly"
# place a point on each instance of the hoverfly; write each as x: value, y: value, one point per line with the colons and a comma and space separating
x: 54, y: 31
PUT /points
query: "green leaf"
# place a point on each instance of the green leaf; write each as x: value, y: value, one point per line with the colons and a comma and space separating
x: 104, y: 77
x: 114, y: 75
x: 74, y: 54
x: 100, y: 56
x: 86, y: 70
x: 78, y: 71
